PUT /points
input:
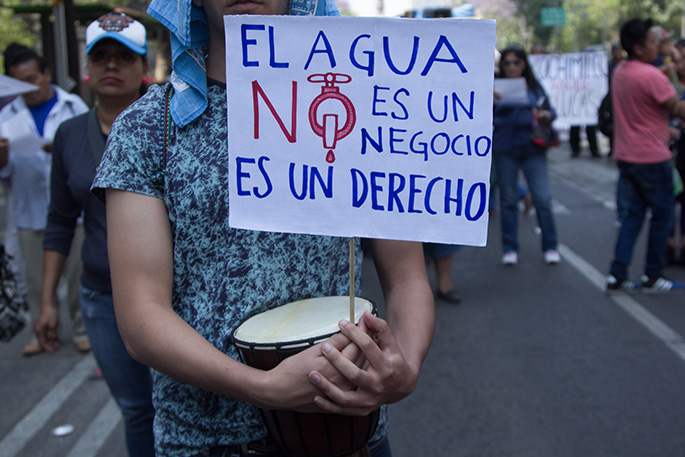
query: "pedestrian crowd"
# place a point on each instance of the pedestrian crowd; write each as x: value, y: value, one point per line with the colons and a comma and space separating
x: 176, y: 281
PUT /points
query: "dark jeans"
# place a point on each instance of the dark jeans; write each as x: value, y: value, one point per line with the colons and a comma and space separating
x: 574, y: 139
x: 645, y: 186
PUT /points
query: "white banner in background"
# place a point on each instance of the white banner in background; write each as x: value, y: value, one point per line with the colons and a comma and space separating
x: 575, y: 83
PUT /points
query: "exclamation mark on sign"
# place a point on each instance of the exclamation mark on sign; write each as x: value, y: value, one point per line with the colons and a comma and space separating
x: 330, y: 128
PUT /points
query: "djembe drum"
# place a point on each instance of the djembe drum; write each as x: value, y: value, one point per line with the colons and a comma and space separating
x: 266, y: 339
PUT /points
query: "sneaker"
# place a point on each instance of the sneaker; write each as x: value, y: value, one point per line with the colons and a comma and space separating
x: 626, y: 286
x: 33, y: 347
x: 83, y: 346
x: 552, y: 257
x: 661, y: 285
x: 510, y: 258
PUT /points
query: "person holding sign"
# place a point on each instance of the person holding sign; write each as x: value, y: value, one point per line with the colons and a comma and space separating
x: 514, y: 151
x: 183, y: 280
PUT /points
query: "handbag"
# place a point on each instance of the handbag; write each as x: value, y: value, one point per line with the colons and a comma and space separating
x: 544, y: 136
x: 14, y: 313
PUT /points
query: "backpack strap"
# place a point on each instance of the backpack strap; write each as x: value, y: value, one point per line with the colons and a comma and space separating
x: 158, y: 178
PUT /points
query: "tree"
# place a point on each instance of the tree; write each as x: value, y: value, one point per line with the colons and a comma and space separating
x: 14, y: 30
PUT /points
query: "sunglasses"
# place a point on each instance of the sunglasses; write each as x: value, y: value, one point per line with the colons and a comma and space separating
x: 513, y: 63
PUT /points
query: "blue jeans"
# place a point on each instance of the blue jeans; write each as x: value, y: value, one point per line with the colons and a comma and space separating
x: 645, y: 186
x: 129, y: 381
x: 532, y: 160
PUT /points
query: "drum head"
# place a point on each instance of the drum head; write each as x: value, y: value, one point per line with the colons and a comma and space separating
x: 307, y: 321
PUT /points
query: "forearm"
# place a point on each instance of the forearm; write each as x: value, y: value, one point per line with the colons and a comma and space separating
x: 409, y: 300
x: 411, y: 318
x: 156, y: 336
x: 53, y: 267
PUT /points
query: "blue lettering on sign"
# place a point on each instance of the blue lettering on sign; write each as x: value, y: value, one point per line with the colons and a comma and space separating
x: 394, y: 192
x: 272, y: 51
x: 480, y: 209
x: 309, y: 179
x: 395, y: 138
x: 369, y: 55
x: 391, y: 64
x: 438, y: 144
x: 368, y: 64
x: 429, y: 191
x: 248, y: 42
x: 366, y: 138
x: 443, y: 42
x: 245, y: 41
x: 241, y: 175
x: 413, y: 190
x: 455, y: 112
x: 401, y: 105
x: 377, y: 100
x: 326, y: 50
x: 397, y: 184
x: 376, y: 188
x: 359, y: 194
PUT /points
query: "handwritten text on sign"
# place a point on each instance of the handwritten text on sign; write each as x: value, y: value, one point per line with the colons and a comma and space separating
x: 576, y: 84
x: 367, y: 127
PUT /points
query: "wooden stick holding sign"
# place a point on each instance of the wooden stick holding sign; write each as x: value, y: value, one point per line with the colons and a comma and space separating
x: 352, y: 280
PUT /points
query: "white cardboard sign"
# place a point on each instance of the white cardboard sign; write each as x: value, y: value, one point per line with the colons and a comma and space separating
x: 369, y: 127
x: 576, y: 84
x: 10, y: 86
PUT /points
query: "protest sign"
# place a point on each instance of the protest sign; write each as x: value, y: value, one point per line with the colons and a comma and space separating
x: 576, y: 84
x: 10, y: 86
x: 369, y: 127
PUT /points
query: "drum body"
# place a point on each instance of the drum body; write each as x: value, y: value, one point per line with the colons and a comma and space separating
x: 267, y: 338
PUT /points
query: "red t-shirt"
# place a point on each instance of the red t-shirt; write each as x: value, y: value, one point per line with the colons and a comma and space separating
x: 641, y: 132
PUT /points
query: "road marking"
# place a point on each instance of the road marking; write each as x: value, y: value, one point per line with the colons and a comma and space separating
x: 656, y: 327
x: 31, y: 423
x: 94, y: 437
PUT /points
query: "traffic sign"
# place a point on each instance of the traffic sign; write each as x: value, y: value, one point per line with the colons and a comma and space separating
x: 553, y: 16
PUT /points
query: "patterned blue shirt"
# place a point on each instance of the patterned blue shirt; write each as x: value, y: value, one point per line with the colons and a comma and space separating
x: 222, y: 275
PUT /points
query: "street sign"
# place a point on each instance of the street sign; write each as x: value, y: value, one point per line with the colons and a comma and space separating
x: 553, y: 16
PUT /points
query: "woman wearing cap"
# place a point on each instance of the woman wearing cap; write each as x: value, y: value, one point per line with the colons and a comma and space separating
x: 183, y: 280
x: 116, y: 46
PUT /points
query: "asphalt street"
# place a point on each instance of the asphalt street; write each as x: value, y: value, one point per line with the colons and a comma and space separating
x: 535, y: 362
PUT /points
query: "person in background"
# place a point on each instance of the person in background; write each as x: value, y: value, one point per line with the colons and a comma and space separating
x: 514, y: 151
x: 183, y: 280
x: 643, y: 99
x: 617, y: 56
x: 574, y: 139
x: 442, y: 255
x: 30, y: 121
x: 668, y: 55
x: 116, y: 47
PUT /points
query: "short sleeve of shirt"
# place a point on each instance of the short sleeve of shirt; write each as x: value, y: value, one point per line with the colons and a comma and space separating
x: 134, y: 153
x: 660, y: 86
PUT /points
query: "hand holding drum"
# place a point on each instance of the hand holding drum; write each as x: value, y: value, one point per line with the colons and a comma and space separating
x: 385, y: 377
x: 268, y: 340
